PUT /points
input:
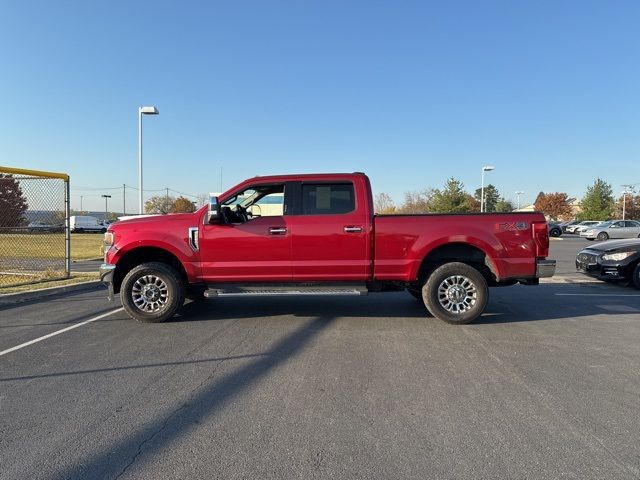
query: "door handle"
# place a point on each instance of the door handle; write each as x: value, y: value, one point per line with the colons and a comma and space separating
x: 352, y: 229
x: 277, y: 230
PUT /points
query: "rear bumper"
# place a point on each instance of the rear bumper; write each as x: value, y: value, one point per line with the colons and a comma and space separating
x: 545, y: 268
x: 106, y: 276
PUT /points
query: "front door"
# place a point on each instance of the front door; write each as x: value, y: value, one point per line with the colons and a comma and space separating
x: 253, y: 241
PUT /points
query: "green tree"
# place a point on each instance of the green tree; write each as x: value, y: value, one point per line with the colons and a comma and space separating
x: 504, y: 206
x: 183, y: 205
x: 451, y: 199
x: 383, y: 203
x: 491, y: 197
x: 159, y: 204
x: 598, y: 202
x: 13, y: 204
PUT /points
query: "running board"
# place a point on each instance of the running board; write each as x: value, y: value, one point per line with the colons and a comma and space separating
x: 290, y: 290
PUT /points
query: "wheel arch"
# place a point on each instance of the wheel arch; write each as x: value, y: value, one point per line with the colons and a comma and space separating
x: 136, y: 256
x: 463, y: 252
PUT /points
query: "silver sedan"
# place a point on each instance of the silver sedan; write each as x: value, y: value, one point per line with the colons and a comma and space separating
x: 613, y: 229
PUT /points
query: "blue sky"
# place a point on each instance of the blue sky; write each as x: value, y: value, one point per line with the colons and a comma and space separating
x: 410, y: 92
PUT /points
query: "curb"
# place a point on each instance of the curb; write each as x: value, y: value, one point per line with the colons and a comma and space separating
x: 11, y: 298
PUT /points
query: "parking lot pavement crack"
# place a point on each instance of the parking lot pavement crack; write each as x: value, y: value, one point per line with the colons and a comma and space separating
x: 185, y: 404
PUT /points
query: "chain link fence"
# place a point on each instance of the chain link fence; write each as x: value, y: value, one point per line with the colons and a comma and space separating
x: 34, y: 226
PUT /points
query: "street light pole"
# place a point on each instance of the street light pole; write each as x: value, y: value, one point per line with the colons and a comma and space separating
x: 485, y: 168
x: 624, y: 199
x: 518, y: 193
x: 106, y: 210
x: 142, y: 111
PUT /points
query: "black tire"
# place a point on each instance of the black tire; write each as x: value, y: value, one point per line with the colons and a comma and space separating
x: 555, y: 232
x: 636, y: 276
x: 458, y: 276
x: 416, y: 293
x: 603, y: 236
x: 162, y: 301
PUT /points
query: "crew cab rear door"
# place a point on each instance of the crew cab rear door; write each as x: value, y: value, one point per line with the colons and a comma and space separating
x: 330, y: 238
x: 251, y: 247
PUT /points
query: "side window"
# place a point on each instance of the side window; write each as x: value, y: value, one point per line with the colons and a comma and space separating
x: 631, y: 224
x: 271, y: 205
x: 328, y: 198
x: 258, y: 201
x: 618, y: 225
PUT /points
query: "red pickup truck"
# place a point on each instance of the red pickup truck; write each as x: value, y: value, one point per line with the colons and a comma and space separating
x: 319, y: 235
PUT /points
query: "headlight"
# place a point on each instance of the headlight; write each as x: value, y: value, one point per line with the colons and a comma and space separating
x: 589, y: 232
x: 617, y: 256
x: 108, y: 239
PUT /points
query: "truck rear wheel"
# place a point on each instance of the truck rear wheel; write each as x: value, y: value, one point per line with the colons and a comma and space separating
x: 456, y: 293
x: 152, y: 292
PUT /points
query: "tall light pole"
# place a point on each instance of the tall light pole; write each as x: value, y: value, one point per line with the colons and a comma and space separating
x: 627, y: 189
x: 150, y: 110
x: 106, y: 210
x: 518, y: 193
x: 486, y: 168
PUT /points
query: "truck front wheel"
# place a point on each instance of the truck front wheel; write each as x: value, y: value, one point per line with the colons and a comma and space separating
x: 456, y: 293
x: 152, y: 292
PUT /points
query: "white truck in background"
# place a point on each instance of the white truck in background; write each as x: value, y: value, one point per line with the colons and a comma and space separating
x: 85, y: 223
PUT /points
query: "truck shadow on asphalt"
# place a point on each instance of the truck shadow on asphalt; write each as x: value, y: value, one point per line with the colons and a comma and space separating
x: 202, y: 403
x: 550, y: 301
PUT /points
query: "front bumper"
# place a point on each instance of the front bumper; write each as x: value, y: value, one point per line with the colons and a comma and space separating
x: 603, y: 271
x: 545, y: 268
x: 106, y: 276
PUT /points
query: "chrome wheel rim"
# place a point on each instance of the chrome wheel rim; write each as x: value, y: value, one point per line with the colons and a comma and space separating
x: 150, y: 293
x: 457, y: 294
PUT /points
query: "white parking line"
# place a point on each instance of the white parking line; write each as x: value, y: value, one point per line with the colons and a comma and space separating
x: 596, y: 295
x: 58, y: 332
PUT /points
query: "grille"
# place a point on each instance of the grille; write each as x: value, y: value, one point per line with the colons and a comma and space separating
x: 588, y: 258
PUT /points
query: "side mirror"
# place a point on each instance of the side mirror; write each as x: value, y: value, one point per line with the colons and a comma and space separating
x: 213, y: 216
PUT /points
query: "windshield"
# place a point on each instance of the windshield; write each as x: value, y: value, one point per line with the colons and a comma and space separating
x: 604, y: 224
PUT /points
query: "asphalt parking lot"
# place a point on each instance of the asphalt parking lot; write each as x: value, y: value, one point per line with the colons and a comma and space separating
x: 545, y: 385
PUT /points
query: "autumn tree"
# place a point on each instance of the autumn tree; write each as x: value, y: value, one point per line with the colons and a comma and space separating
x: 554, y: 205
x: 159, y: 204
x: 416, y: 202
x: 491, y: 197
x: 13, y: 204
x: 631, y: 207
x: 451, y: 199
x: 183, y: 205
x: 383, y: 203
x: 598, y: 202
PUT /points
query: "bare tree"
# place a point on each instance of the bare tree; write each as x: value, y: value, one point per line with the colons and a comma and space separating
x: 383, y: 203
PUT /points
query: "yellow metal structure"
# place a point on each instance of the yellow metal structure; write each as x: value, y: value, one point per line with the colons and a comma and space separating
x: 34, y: 173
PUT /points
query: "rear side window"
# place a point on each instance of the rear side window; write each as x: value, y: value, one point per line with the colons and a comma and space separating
x: 327, y: 198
